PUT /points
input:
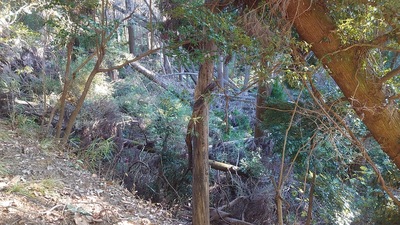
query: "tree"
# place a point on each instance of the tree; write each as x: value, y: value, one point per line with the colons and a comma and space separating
x: 99, y: 34
x: 200, y: 184
x: 263, y: 92
x: 363, y: 89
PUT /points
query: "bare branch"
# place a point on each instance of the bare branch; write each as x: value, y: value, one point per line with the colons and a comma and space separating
x: 390, y: 75
x: 83, y: 63
x: 217, y: 214
x: 342, y: 127
x: 393, y: 97
x: 378, y: 43
x: 149, y: 52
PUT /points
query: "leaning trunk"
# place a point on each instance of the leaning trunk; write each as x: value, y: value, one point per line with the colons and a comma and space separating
x: 81, y: 100
x: 363, y: 91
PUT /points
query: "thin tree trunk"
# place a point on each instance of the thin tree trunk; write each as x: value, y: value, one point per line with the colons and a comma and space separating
x: 220, y: 72
x: 310, y: 200
x: 279, y: 206
x: 131, y: 31
x: 201, y: 213
x: 79, y: 104
x: 67, y: 84
x: 247, y: 70
x: 229, y: 66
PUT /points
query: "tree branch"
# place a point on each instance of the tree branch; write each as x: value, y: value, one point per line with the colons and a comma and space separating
x: 390, y: 75
x: 149, y: 52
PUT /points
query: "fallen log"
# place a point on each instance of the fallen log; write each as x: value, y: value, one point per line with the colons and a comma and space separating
x: 227, y: 168
x: 149, y: 74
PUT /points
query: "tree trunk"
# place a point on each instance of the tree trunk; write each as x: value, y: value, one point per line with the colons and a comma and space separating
x: 310, y: 200
x: 220, y: 72
x: 131, y: 31
x: 79, y: 104
x: 66, y: 88
x: 364, y: 91
x: 201, y: 213
x: 246, y: 74
x: 264, y: 91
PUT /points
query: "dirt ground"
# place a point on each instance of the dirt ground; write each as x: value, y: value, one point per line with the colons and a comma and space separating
x: 41, y: 184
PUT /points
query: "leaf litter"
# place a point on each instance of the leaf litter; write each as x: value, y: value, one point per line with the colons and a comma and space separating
x: 41, y: 186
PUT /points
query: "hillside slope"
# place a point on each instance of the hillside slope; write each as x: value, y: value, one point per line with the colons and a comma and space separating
x: 40, y: 185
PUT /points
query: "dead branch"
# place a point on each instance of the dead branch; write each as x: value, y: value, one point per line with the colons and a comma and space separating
x: 127, y: 143
x: 249, y: 99
x: 227, y: 168
x: 216, y: 214
x: 127, y: 62
x: 232, y: 203
x: 393, y: 97
x: 233, y: 221
x: 149, y: 74
x: 342, y: 127
x: 149, y: 147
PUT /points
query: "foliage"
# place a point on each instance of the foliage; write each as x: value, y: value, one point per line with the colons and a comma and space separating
x: 164, y: 118
x: 176, y: 186
x: 363, y: 22
x: 164, y: 115
x: 252, y: 164
x: 191, y: 24
x: 229, y: 126
x: 345, y: 190
x: 48, y: 144
x: 26, y: 125
x: 21, y: 189
x: 97, y: 152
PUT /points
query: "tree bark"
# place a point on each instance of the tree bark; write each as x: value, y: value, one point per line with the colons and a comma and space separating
x: 131, y: 31
x: 363, y: 90
x: 311, y: 200
x: 66, y: 88
x: 220, y: 72
x: 201, y: 213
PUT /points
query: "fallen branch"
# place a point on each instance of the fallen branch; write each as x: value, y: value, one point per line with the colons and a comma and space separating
x: 149, y: 74
x: 216, y: 214
x: 233, y: 203
x: 149, y: 147
x: 227, y: 168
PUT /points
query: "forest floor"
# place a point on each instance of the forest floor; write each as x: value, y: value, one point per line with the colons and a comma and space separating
x: 40, y: 184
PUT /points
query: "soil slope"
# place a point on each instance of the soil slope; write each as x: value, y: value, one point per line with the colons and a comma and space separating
x: 39, y: 184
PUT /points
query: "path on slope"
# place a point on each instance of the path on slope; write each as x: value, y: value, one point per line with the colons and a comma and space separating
x: 39, y: 185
